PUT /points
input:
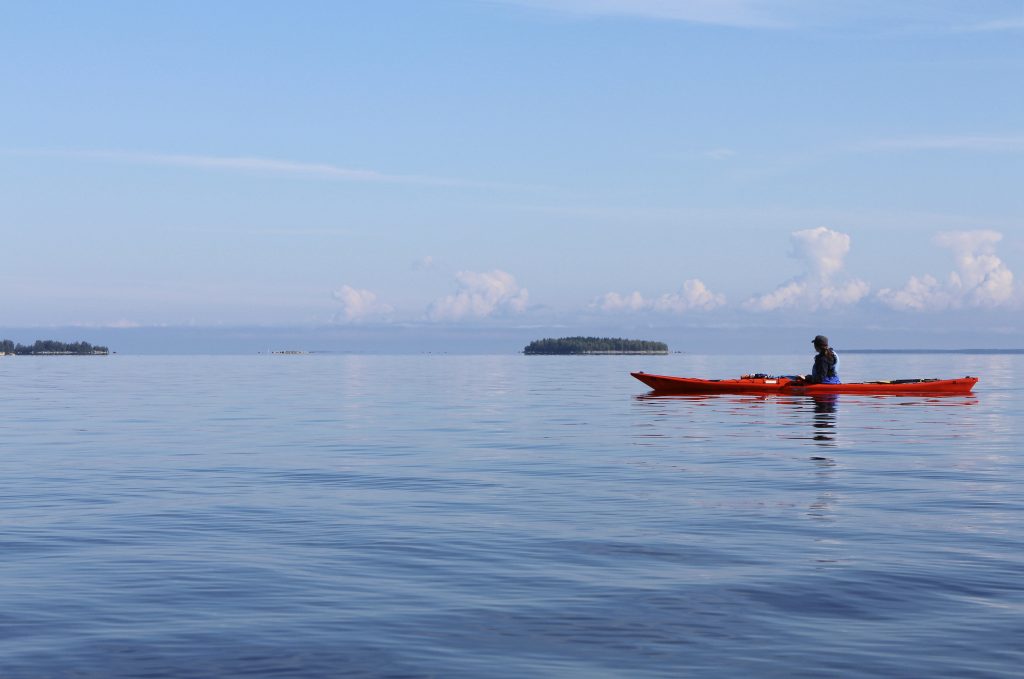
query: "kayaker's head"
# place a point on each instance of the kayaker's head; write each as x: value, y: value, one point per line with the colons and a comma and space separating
x: 820, y: 342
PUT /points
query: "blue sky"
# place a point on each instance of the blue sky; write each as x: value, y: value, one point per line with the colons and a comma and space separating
x: 559, y: 165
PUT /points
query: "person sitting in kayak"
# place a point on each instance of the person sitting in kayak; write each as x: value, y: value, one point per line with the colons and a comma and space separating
x: 824, y: 370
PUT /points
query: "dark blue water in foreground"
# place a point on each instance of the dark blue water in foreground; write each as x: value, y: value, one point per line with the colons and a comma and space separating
x: 505, y: 516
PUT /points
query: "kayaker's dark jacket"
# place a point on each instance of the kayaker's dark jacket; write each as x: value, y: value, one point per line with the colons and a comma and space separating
x: 824, y: 371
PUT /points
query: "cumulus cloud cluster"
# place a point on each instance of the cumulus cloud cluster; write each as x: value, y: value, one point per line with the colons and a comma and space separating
x: 694, y: 295
x: 480, y: 294
x: 358, y: 305
x: 820, y: 286
x: 981, y: 278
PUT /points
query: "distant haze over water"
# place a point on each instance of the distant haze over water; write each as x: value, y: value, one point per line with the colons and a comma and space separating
x: 428, y: 338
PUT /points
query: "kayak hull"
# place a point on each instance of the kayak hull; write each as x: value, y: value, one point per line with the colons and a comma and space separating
x: 666, y: 384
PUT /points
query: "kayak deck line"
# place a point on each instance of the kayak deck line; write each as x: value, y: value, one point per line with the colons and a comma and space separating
x: 765, y: 384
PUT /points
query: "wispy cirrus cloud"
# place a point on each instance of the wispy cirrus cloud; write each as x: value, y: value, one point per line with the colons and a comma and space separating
x: 738, y: 13
x: 975, y: 143
x: 792, y: 14
x: 719, y: 154
x: 1013, y: 23
x: 255, y: 164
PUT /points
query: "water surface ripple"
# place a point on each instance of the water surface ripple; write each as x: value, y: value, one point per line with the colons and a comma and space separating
x: 504, y: 516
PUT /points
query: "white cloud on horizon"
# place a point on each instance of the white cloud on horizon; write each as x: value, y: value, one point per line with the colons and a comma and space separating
x: 693, y: 296
x: 822, y: 252
x: 358, y: 305
x: 981, y: 279
x: 122, y: 324
x: 480, y: 295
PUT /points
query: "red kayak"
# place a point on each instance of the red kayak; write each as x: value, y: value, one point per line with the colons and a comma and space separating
x: 664, y: 384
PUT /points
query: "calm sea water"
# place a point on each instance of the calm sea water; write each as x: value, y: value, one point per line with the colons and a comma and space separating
x: 504, y: 516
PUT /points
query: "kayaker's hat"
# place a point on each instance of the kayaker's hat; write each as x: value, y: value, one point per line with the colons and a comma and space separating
x: 820, y: 340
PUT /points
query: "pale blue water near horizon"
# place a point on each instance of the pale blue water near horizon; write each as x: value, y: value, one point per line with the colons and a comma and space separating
x: 504, y: 516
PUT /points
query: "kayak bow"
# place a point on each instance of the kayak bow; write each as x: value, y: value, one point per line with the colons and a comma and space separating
x: 665, y: 384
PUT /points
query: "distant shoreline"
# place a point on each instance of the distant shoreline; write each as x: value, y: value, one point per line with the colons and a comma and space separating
x: 933, y: 351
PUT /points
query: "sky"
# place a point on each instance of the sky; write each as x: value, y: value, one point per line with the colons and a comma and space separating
x: 717, y: 173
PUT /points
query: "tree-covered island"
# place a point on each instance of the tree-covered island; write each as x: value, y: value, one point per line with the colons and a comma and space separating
x: 52, y: 348
x: 593, y: 345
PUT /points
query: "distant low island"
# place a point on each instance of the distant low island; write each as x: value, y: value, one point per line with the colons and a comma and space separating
x: 52, y: 348
x: 593, y: 345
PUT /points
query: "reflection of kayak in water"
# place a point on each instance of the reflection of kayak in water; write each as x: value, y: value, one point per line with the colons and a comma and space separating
x: 785, y: 385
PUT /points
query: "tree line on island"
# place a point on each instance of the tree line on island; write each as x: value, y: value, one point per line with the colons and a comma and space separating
x: 52, y: 347
x: 593, y: 345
